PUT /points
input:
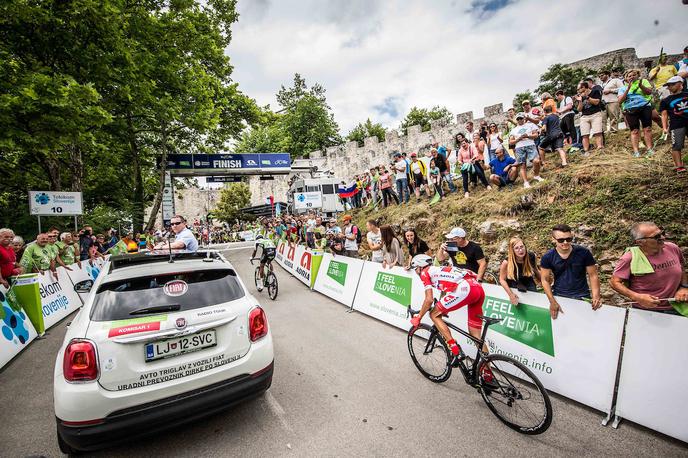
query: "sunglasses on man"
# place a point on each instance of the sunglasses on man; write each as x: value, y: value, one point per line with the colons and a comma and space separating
x: 564, y: 239
x: 177, y: 223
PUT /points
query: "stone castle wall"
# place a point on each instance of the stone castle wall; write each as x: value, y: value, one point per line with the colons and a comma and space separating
x: 349, y: 159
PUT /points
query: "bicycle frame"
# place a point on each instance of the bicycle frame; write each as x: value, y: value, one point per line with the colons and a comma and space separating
x: 469, y: 373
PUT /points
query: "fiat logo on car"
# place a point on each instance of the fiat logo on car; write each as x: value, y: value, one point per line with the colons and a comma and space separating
x: 180, y: 323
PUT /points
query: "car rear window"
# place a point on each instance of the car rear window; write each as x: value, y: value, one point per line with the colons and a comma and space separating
x: 116, y: 300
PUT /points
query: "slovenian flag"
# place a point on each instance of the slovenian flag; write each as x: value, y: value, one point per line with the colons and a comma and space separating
x: 345, y: 191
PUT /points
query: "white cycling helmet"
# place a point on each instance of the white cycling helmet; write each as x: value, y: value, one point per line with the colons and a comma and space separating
x: 421, y: 260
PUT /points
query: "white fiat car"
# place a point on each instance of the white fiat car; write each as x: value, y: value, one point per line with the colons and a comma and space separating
x: 157, y: 344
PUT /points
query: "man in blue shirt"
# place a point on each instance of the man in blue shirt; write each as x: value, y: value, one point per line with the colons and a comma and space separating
x: 568, y: 264
x: 184, y: 238
x: 504, y: 169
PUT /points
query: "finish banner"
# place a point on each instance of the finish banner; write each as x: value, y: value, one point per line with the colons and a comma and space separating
x: 338, y: 278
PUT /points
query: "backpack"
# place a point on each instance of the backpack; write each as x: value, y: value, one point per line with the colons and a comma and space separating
x: 359, y: 237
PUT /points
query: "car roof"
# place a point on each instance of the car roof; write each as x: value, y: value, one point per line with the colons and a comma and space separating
x: 152, y: 263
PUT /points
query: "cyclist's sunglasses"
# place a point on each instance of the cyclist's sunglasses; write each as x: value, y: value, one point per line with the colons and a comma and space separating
x: 659, y: 236
x: 565, y: 239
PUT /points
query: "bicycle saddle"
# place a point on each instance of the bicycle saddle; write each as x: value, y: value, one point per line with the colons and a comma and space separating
x: 489, y: 320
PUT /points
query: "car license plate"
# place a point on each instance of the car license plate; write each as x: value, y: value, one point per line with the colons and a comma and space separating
x: 180, y: 345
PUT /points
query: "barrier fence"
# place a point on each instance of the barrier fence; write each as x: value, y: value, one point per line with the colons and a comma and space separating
x: 577, y: 355
x: 37, y: 302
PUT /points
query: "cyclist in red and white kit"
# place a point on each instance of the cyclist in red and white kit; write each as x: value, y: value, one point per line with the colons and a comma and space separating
x: 458, y: 287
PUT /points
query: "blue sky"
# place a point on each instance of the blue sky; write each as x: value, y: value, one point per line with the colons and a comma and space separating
x: 378, y: 58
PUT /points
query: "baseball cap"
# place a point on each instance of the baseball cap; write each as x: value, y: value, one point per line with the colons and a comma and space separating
x: 673, y: 79
x: 521, y: 115
x: 525, y: 101
x: 456, y: 232
x: 346, y: 218
x: 414, y: 155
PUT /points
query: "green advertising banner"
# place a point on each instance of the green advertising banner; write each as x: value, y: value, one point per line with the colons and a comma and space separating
x: 394, y: 287
x: 315, y: 266
x: 337, y: 272
x: 25, y: 291
x: 527, y: 324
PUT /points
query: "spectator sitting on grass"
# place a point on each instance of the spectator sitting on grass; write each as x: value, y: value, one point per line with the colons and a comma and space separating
x: 519, y: 270
x: 570, y: 265
x: 651, y: 271
x: 522, y: 137
x: 674, y: 110
x: 504, y: 169
x: 553, y: 136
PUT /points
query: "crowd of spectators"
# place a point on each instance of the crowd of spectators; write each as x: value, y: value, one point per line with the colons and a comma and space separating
x: 651, y: 274
x: 501, y: 155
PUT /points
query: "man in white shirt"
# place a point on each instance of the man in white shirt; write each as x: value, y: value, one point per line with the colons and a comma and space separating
x: 184, y: 238
x: 566, y: 114
x: 374, y: 238
x: 610, y: 96
x: 401, y: 178
x: 310, y: 229
x: 522, y: 137
x: 350, y: 232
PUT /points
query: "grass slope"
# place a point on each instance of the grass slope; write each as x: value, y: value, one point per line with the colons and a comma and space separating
x: 600, y: 196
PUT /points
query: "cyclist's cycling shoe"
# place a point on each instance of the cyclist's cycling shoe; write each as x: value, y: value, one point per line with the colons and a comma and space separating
x: 488, y: 379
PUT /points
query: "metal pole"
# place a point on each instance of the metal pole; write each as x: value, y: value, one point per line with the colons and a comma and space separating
x: 75, y: 225
x: 39, y: 224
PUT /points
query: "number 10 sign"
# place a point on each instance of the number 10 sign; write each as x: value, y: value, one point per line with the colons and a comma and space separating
x: 55, y: 203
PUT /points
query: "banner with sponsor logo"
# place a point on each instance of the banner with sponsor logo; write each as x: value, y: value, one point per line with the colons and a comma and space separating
x: 25, y: 292
x: 89, y: 270
x: 385, y: 293
x: 16, y: 330
x: 654, y: 357
x: 575, y: 355
x: 279, y: 252
x: 58, y: 298
x: 338, y: 278
x: 306, y: 265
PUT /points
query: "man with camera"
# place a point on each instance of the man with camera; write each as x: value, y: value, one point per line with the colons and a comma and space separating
x: 463, y: 253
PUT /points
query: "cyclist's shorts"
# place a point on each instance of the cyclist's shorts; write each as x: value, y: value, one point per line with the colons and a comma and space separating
x: 268, y: 255
x: 468, y: 292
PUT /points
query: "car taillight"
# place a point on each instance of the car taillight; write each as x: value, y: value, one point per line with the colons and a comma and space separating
x: 257, y: 324
x: 80, y: 363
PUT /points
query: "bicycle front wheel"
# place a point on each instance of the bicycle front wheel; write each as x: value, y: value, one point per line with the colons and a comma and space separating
x: 429, y: 353
x: 257, y: 279
x: 271, y: 280
x: 514, y: 394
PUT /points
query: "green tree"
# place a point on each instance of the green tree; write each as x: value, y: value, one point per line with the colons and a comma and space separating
x: 233, y: 197
x: 366, y: 129
x: 521, y: 96
x: 422, y: 117
x: 307, y: 121
x: 564, y: 77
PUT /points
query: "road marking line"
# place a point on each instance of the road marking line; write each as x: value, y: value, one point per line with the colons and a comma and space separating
x: 278, y: 411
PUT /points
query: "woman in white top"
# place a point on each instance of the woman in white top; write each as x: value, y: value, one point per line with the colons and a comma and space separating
x: 494, y: 141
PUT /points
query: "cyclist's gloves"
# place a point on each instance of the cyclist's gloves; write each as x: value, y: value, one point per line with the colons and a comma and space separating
x: 415, y: 321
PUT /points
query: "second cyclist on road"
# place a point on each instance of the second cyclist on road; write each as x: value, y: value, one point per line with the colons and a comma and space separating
x: 267, y: 254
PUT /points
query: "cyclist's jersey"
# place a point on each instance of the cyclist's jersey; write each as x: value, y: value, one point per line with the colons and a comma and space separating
x: 267, y: 249
x: 446, y: 279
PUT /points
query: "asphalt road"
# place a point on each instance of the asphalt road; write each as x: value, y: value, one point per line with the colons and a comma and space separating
x: 344, y: 385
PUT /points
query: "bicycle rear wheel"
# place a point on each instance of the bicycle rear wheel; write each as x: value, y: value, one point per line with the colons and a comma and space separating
x: 429, y: 353
x: 515, y: 395
x: 271, y: 280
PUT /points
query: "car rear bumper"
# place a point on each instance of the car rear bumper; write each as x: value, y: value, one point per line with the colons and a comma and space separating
x: 124, y: 425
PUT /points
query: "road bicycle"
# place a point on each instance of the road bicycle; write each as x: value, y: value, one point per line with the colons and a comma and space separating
x: 511, y: 391
x: 269, y: 279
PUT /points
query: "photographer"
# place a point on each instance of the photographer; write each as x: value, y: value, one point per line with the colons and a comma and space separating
x: 462, y: 253
x: 85, y: 242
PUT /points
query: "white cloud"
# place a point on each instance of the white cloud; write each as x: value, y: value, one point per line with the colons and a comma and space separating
x: 462, y: 54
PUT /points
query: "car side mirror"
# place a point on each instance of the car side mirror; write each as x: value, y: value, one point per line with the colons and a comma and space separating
x: 83, y: 286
